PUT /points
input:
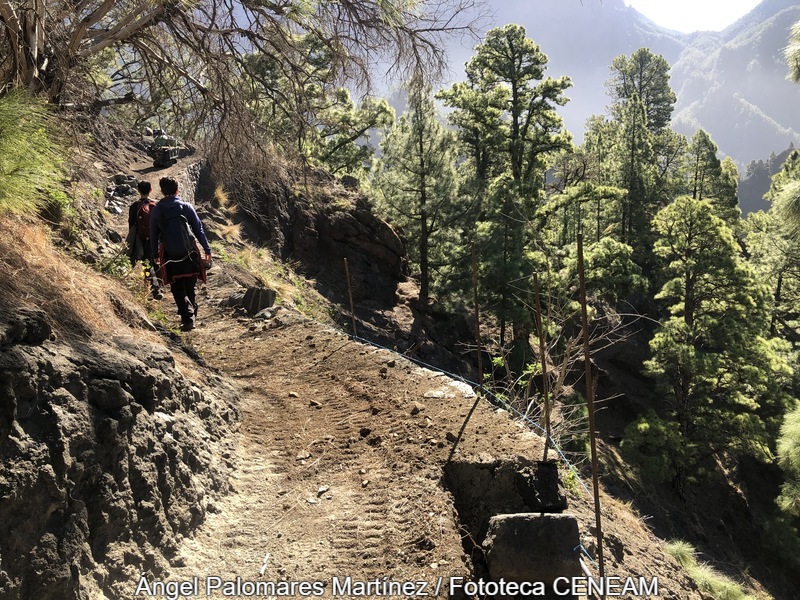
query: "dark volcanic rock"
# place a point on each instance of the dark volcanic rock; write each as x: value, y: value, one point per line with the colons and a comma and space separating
x: 532, y: 547
x: 108, y: 458
x: 319, y: 236
x: 28, y: 326
x: 257, y: 299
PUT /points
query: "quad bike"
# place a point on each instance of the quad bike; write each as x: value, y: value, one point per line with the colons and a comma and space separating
x: 164, y: 151
x: 164, y: 156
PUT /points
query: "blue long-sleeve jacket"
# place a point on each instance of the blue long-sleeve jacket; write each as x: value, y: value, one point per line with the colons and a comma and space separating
x: 171, y: 207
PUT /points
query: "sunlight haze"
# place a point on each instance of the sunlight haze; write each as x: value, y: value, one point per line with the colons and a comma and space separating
x: 693, y: 15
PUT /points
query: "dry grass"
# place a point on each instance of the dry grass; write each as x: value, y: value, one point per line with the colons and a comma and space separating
x: 291, y: 288
x: 78, y: 302
x: 232, y: 234
x: 222, y: 200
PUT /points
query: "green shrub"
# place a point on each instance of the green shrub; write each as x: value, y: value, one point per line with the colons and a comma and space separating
x: 683, y: 552
x: 116, y: 265
x: 30, y: 165
x: 654, y: 447
x: 611, y: 271
x: 716, y: 584
x: 789, y: 460
x: 57, y: 207
x: 782, y: 539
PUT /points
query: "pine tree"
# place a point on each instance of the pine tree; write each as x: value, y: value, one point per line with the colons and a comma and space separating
x: 704, y: 166
x: 709, y: 178
x: 645, y: 76
x: 726, y: 194
x: 773, y: 242
x: 784, y: 192
x: 600, y: 144
x: 341, y: 138
x: 774, y: 246
x: 669, y: 148
x: 792, y: 53
x: 507, y: 119
x: 29, y: 153
x: 418, y: 183
x: 636, y: 160
x: 789, y: 459
x: 308, y: 114
x: 478, y: 119
x: 647, y: 152
x: 724, y: 379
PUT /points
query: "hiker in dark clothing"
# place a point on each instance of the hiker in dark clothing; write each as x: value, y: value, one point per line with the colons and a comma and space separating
x: 175, y: 230
x: 139, y: 247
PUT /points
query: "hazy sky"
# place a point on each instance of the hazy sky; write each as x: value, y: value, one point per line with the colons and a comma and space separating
x: 693, y: 15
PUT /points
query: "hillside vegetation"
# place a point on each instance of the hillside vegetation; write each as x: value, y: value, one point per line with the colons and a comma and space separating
x: 269, y: 448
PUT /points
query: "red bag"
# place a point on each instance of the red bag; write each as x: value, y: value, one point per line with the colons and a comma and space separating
x: 143, y: 219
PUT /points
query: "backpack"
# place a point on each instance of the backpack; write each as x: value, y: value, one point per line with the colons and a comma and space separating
x: 143, y: 219
x: 179, y: 240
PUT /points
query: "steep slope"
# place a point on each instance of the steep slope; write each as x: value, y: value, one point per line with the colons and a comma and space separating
x: 343, y: 463
x: 734, y: 85
x: 344, y: 456
x: 269, y: 448
x: 113, y: 441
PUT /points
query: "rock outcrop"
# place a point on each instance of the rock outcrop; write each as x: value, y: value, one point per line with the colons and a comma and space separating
x: 319, y: 235
x: 110, y: 455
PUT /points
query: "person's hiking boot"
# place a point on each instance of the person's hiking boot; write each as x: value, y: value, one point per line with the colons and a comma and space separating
x: 187, y: 324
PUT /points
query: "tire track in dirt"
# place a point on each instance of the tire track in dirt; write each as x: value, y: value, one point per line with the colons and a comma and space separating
x: 340, y: 457
x: 323, y: 479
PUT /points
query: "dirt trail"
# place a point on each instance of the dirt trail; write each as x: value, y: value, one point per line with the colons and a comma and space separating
x: 340, y: 462
x: 340, y: 457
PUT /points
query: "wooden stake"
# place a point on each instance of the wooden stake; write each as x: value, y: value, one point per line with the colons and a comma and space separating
x: 590, y: 402
x: 477, y: 317
x: 350, y: 295
x: 545, y: 382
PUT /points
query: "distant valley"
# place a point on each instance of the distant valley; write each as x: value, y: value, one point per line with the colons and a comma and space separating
x: 731, y: 83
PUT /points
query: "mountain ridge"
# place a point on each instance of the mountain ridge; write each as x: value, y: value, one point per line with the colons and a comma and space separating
x: 731, y: 83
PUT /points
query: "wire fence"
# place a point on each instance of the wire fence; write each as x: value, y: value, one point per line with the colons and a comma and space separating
x: 495, y: 399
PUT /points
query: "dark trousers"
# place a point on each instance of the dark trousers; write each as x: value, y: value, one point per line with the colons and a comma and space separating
x: 181, y: 275
x: 184, y: 295
x: 151, y: 273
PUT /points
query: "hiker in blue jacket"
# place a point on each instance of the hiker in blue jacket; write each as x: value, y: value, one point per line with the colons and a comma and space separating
x: 175, y: 230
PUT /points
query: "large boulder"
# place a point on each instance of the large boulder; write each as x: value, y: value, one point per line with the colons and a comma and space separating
x: 257, y: 299
x: 532, y: 547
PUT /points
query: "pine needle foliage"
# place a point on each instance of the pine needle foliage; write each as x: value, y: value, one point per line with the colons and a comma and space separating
x: 792, y: 54
x: 29, y: 155
x: 787, y: 203
x: 789, y: 458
